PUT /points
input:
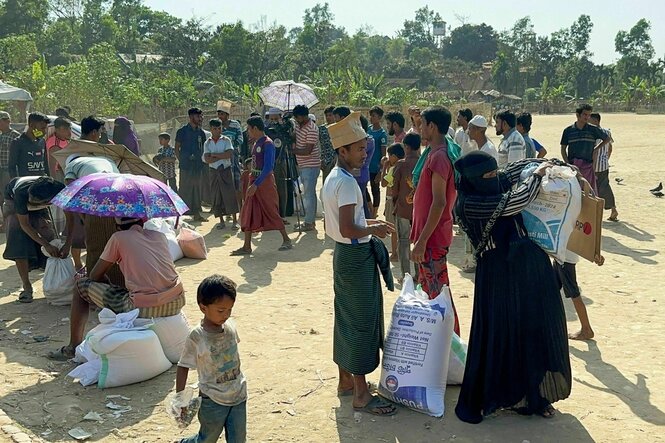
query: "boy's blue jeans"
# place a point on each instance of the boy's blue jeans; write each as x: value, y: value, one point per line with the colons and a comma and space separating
x: 215, y: 418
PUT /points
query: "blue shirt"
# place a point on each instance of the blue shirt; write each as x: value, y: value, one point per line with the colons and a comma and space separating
x: 531, y: 149
x: 380, y: 140
x: 191, y: 147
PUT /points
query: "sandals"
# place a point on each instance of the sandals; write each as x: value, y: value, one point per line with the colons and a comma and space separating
x: 63, y: 354
x: 241, y: 252
x: 376, y: 406
x: 25, y: 297
x: 285, y: 246
x: 220, y: 226
x: 548, y: 412
x: 304, y: 227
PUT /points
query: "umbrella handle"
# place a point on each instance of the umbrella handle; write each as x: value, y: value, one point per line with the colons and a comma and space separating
x: 177, y: 221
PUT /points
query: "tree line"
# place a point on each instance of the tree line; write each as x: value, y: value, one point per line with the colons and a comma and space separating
x: 112, y: 57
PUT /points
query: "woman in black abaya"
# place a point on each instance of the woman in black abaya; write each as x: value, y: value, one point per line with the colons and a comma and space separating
x: 518, y: 346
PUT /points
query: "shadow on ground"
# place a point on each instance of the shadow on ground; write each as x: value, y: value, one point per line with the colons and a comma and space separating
x: 413, y: 427
x: 635, y: 394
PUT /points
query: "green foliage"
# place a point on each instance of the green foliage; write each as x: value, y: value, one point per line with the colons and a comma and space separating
x: 122, y: 57
x: 17, y: 52
x: 472, y: 43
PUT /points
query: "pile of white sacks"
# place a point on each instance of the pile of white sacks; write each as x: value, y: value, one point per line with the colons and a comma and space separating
x: 124, y: 349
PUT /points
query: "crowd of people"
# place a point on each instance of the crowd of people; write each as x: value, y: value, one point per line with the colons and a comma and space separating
x: 431, y: 177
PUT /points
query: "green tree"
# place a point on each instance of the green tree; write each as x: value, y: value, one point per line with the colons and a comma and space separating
x: 418, y: 33
x: 636, y: 51
x: 20, y: 17
x: 17, y: 52
x: 472, y: 43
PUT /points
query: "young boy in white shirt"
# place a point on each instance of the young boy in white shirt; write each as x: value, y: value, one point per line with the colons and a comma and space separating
x: 212, y: 349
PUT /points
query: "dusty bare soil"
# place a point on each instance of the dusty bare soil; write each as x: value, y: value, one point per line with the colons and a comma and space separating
x: 284, y: 317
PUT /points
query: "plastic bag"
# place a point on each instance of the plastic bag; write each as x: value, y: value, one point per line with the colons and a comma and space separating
x: 183, y: 399
x: 416, y: 353
x: 58, y: 282
x: 550, y: 218
x: 192, y: 243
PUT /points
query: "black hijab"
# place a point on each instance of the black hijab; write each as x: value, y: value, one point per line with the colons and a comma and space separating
x: 471, y: 168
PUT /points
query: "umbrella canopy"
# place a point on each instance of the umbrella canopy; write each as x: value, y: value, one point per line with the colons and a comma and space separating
x: 12, y: 93
x: 127, y: 161
x: 120, y: 195
x: 287, y: 94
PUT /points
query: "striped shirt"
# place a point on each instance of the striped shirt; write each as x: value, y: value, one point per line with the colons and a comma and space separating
x: 308, y: 134
x: 512, y: 148
x: 580, y: 142
x: 602, y: 162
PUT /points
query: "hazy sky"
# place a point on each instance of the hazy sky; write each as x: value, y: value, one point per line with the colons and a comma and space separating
x: 386, y: 17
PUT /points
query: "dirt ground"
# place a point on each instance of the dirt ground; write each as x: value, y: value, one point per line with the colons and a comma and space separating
x: 284, y: 318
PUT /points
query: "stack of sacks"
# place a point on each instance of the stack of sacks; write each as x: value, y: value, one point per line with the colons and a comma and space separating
x: 114, y: 353
x: 166, y: 227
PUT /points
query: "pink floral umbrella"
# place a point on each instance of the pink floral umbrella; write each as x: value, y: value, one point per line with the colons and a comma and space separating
x: 120, y: 195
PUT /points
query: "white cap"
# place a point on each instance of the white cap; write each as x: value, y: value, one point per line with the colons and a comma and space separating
x: 478, y: 121
x: 312, y: 117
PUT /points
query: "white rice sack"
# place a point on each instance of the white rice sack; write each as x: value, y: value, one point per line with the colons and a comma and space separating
x: 119, y: 352
x: 172, y: 333
x: 417, y: 350
x: 135, y: 356
x: 550, y: 218
x: 166, y: 227
x: 457, y: 362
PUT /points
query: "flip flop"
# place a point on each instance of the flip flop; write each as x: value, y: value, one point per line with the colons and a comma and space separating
x: 375, y: 404
x: 25, y: 297
x: 60, y: 354
x: 240, y: 252
x: 371, y: 387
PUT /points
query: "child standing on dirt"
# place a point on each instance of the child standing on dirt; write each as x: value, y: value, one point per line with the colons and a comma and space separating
x: 395, y: 153
x: 212, y: 349
x: 165, y: 160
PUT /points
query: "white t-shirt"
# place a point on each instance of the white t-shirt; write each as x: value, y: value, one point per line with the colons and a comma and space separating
x: 490, y: 149
x: 464, y: 142
x: 341, y: 189
x: 220, y: 146
x: 215, y: 357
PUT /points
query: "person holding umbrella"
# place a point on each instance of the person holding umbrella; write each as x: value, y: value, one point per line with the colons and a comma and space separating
x: 152, y: 283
